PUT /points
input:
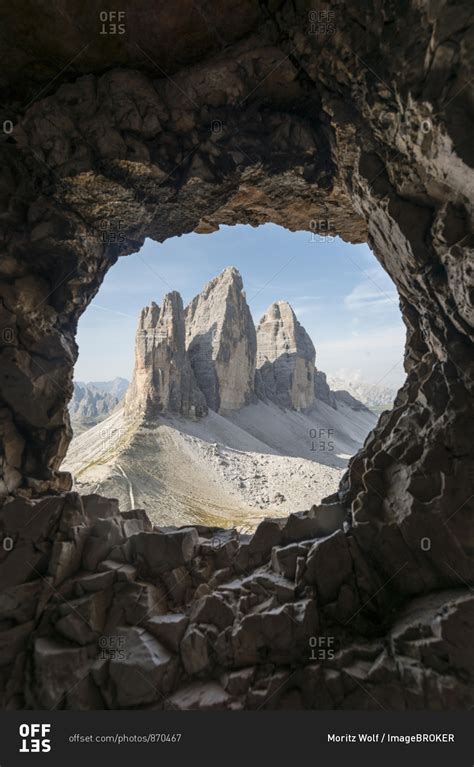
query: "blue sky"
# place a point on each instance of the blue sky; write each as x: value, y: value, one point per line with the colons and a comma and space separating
x: 339, y: 292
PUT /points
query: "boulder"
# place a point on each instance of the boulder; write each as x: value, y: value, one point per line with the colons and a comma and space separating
x: 137, y: 601
x: 274, y: 634
x: 160, y: 551
x: 284, y: 558
x: 207, y: 696
x: 19, y: 603
x: 57, y: 668
x: 82, y: 620
x: 93, y: 582
x: 194, y: 651
x: 13, y: 641
x: 144, y: 672
x: 31, y: 520
x: 97, y: 507
x: 178, y: 584
x: 317, y: 522
x: 22, y: 563
x: 237, y: 682
x: 329, y: 565
x: 168, y: 628
x: 212, y: 609
x: 65, y: 558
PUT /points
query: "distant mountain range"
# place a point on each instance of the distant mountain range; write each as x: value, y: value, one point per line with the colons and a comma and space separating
x: 376, y: 397
x: 95, y: 400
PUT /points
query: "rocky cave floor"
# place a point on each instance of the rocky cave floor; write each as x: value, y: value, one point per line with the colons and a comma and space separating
x: 103, y: 610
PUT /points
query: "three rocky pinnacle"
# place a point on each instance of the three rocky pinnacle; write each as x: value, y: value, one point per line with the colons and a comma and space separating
x: 210, y: 356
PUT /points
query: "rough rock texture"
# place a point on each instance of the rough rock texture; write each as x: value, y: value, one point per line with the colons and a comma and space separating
x: 322, y: 390
x: 163, y: 380
x: 221, y: 344
x: 217, y: 369
x: 331, y: 119
x: 285, y: 358
x: 204, y: 618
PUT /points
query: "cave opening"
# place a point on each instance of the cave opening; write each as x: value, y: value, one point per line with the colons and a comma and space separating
x: 229, y: 376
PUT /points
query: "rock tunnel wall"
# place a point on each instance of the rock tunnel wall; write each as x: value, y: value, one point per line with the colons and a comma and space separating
x: 313, y: 117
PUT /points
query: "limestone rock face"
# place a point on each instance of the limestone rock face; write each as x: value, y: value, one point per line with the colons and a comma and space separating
x: 221, y: 342
x: 322, y: 390
x: 163, y: 379
x: 285, y: 358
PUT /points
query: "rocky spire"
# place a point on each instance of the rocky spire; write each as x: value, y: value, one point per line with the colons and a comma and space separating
x: 322, y: 390
x: 210, y: 355
x: 163, y: 379
x: 221, y: 342
x: 285, y: 358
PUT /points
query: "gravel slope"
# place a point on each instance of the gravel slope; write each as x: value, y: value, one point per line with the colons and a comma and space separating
x: 261, y: 461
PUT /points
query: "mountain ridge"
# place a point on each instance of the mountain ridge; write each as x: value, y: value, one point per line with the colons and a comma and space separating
x: 223, y: 423
x: 210, y: 355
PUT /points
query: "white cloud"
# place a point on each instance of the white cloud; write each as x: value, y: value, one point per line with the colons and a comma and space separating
x: 375, y: 293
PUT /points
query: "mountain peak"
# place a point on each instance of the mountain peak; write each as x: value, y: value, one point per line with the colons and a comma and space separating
x: 285, y: 358
x: 162, y: 379
x: 221, y: 342
x: 210, y: 355
x: 229, y: 277
x: 229, y: 271
x: 279, y: 310
x: 149, y: 316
